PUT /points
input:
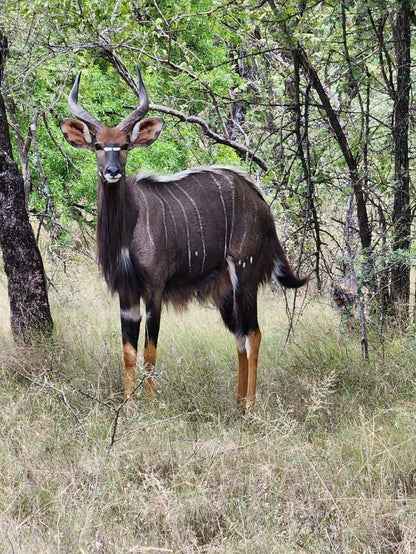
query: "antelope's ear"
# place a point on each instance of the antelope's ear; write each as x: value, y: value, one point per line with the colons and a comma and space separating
x: 145, y: 132
x: 76, y: 133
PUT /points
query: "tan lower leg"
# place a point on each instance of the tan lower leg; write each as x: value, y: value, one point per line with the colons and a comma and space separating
x: 252, y: 345
x: 149, y: 356
x: 242, y: 376
x: 130, y: 357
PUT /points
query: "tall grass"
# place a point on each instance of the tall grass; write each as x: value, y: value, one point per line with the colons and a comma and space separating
x: 327, y: 463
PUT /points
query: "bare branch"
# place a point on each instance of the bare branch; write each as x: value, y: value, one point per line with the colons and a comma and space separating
x: 241, y: 150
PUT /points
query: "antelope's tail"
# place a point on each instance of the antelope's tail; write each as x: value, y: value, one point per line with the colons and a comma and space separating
x: 282, y: 271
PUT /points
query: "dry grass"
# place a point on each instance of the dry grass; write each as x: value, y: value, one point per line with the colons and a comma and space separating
x: 327, y: 464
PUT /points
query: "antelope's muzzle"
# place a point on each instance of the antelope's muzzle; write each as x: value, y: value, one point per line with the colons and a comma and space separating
x: 113, y: 172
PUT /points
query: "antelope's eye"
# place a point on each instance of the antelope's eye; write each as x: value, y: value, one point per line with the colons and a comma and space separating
x: 124, y: 146
x: 98, y: 146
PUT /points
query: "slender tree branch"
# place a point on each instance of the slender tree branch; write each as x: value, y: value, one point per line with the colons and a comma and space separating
x: 242, y: 150
x: 350, y: 159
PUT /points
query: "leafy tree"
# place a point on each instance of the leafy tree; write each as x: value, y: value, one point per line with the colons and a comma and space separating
x: 313, y: 98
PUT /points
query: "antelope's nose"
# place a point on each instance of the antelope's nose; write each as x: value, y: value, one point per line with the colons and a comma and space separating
x: 113, y: 171
x: 112, y: 174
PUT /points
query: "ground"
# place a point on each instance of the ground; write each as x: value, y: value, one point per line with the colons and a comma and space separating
x: 326, y: 464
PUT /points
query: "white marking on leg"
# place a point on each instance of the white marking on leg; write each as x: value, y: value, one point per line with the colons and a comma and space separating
x: 248, y: 346
x: 132, y: 313
x: 241, y: 343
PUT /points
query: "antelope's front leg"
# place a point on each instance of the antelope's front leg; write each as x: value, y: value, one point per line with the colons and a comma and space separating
x: 153, y: 310
x: 130, y: 327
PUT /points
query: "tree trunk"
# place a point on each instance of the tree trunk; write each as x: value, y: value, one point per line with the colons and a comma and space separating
x: 29, y: 306
x: 303, y: 152
x: 364, y: 228
x: 402, y: 216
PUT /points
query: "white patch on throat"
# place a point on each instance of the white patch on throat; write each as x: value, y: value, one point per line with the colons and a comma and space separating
x: 125, y: 260
x: 112, y: 179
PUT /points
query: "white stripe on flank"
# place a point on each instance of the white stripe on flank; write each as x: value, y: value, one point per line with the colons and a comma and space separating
x: 243, y: 238
x: 147, y: 216
x: 243, y: 210
x: 204, y: 253
x: 224, y: 210
x: 164, y: 219
x: 256, y: 236
x: 186, y: 227
x: 233, y: 212
x: 172, y: 215
x: 232, y: 185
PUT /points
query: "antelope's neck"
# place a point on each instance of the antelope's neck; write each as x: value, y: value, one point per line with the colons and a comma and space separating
x: 113, y: 231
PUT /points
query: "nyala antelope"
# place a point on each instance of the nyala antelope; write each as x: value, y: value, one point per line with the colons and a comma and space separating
x: 203, y: 233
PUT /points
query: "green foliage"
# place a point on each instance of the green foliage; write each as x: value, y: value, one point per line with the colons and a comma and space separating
x: 232, y: 66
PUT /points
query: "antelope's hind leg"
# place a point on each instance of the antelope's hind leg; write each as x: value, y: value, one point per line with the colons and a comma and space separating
x: 248, y: 355
x: 242, y: 322
x: 248, y: 345
x: 253, y: 339
x: 242, y: 372
x: 130, y: 327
